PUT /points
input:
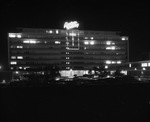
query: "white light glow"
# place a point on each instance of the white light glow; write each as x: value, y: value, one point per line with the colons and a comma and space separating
x: 17, y: 72
x: 71, y: 25
x: 18, y: 36
x: 72, y: 34
x: 19, y: 46
x: 0, y: 67
x: 13, y: 62
x: 149, y: 64
x: 113, y: 62
x: 30, y: 41
x: 108, y: 62
x: 106, y: 67
x: 129, y: 65
x: 20, y: 67
x: 13, y: 57
x: 12, y: 35
x: 108, y: 43
x: 135, y: 68
x: 50, y: 31
x: 19, y: 57
x: 144, y: 68
x: 144, y: 65
x: 118, y: 62
x: 57, y: 31
x: 124, y: 38
x: 110, y: 48
x: 86, y: 42
x: 85, y: 37
x: 57, y: 42
x: 92, y: 38
x: 92, y: 42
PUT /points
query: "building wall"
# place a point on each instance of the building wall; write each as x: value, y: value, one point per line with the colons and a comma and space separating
x: 67, y: 49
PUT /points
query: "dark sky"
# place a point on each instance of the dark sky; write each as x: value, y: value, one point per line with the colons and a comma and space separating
x: 130, y: 18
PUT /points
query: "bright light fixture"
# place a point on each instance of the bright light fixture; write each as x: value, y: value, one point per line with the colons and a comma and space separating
x: 12, y: 35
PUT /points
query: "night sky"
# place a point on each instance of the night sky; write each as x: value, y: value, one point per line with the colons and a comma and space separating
x: 130, y: 18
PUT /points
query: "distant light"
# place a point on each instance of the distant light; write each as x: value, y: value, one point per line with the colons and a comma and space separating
x: 13, y: 57
x: 71, y: 25
x: 19, y: 46
x: 92, y: 38
x: 143, y: 64
x: 85, y: 37
x: 19, y: 57
x: 124, y: 38
x: 57, y: 31
x: 20, y: 67
x: 50, y: 31
x: 3, y: 81
x: 0, y: 67
x: 17, y: 72
x: 135, y: 68
x: 144, y: 68
x: 18, y: 36
x: 85, y: 48
x: 12, y: 35
x: 106, y: 67
x: 108, y: 43
x: 110, y: 48
x: 13, y: 62
x: 113, y: 62
x: 118, y: 62
x: 72, y: 34
x: 57, y: 42
x: 92, y: 42
x: 148, y: 64
x: 108, y: 62
x: 86, y: 42
x: 129, y: 65
x: 30, y: 41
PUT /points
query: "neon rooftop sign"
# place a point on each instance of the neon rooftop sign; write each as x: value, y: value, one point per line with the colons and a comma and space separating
x: 71, y: 25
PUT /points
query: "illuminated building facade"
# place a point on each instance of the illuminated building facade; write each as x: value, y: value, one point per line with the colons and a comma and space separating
x: 73, y: 51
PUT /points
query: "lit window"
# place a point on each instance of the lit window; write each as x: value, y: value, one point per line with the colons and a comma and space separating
x: 20, y: 67
x: 108, y: 43
x: 92, y: 42
x: 11, y: 68
x: 57, y: 31
x: 149, y: 64
x: 72, y: 34
x: 106, y: 67
x: 108, y: 62
x: 118, y: 62
x: 92, y: 38
x: 67, y: 52
x: 57, y: 42
x: 135, y: 68
x: 110, y: 48
x: 129, y: 65
x: 85, y: 48
x: 12, y: 35
x: 67, y: 62
x: 85, y: 37
x: 19, y: 57
x: 86, y: 42
x: 113, y: 62
x: 19, y: 46
x: 113, y: 48
x: 67, y: 57
x: 30, y: 41
x: 13, y: 62
x: 144, y: 64
x: 50, y: 31
x: 124, y: 38
x: 13, y: 57
x: 18, y: 36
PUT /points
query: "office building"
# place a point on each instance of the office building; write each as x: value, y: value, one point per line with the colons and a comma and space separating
x: 73, y: 51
